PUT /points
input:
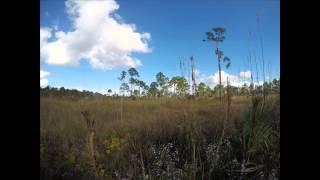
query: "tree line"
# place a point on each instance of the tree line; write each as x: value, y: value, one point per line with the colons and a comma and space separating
x: 53, y: 91
x: 178, y: 86
x: 131, y: 85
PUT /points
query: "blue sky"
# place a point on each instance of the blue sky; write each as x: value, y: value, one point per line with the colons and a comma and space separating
x: 176, y: 31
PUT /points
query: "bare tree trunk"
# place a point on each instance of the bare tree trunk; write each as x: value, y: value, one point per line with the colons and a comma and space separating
x: 90, y: 147
x: 228, y: 100
x: 225, y: 119
x: 131, y: 90
x: 220, y: 88
x: 121, y: 109
x: 139, y: 91
x: 90, y: 144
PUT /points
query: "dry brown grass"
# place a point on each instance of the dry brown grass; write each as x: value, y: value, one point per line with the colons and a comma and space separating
x: 159, y: 116
x: 192, y: 125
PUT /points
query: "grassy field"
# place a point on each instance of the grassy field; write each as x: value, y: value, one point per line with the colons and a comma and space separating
x: 159, y: 138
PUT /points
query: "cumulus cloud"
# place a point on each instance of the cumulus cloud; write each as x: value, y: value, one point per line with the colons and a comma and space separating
x: 214, y: 79
x: 245, y: 74
x: 234, y: 79
x: 45, y: 35
x: 43, y: 80
x: 99, y: 36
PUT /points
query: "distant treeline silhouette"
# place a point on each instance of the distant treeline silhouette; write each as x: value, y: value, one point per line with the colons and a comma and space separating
x: 155, y: 90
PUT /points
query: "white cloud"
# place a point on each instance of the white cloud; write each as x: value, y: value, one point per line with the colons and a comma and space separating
x: 45, y: 35
x: 245, y: 74
x: 43, y: 73
x: 234, y: 79
x: 97, y: 35
x: 213, y: 80
x: 196, y: 72
x: 43, y: 80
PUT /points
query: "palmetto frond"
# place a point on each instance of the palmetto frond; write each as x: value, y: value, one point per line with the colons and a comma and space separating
x: 227, y: 61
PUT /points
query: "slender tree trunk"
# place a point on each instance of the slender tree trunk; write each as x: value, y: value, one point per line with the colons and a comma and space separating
x: 131, y: 90
x: 121, y: 108
x: 139, y: 91
x: 89, y: 141
x: 90, y: 146
x: 220, y: 88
